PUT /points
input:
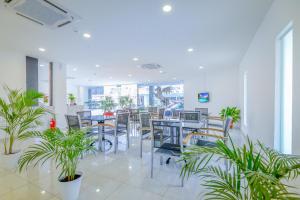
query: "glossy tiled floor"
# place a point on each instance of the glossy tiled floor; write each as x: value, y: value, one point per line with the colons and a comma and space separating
x: 106, y: 176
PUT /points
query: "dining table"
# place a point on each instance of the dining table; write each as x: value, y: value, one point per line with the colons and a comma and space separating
x: 101, y: 121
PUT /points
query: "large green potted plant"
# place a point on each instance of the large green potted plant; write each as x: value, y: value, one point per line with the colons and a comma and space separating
x: 253, y: 172
x: 233, y: 112
x: 125, y: 102
x: 20, y: 115
x: 65, y: 148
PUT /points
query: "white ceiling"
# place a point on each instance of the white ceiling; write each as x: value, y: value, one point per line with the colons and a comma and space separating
x: 219, y: 31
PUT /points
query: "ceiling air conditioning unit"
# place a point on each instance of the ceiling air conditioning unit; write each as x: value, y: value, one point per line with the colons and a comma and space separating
x: 42, y: 12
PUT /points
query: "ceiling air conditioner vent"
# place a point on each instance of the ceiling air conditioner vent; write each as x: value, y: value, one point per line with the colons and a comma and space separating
x: 43, y: 12
x: 151, y: 66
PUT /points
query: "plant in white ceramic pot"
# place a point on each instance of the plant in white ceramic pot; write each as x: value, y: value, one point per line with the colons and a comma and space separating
x: 72, y: 99
x: 65, y: 148
x: 20, y: 115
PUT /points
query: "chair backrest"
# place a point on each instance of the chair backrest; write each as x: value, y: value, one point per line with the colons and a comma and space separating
x: 167, y: 135
x: 120, y: 111
x: 134, y: 114
x: 73, y: 121
x: 85, y: 115
x: 152, y: 109
x: 227, y: 123
x: 122, y: 121
x: 203, y: 111
x: 176, y: 113
x: 191, y: 116
x: 161, y: 113
x: 145, y: 120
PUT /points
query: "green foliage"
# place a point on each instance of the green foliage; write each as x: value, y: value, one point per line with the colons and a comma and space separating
x: 233, y: 112
x: 107, y: 104
x: 254, y: 171
x: 125, y: 102
x: 71, y: 98
x: 64, y: 148
x: 21, y: 115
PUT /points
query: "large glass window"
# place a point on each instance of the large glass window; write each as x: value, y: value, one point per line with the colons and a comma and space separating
x: 285, y: 87
x: 169, y: 96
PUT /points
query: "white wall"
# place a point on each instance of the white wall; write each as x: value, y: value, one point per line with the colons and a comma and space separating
x: 260, y: 62
x: 12, y: 70
x: 13, y: 74
x: 222, y: 85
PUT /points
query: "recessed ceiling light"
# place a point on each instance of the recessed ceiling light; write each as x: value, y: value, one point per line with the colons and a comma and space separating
x: 167, y: 8
x: 201, y: 67
x: 42, y: 49
x: 41, y: 65
x: 97, y: 190
x: 160, y: 71
x: 74, y: 69
x: 87, y: 35
x: 129, y: 75
x: 190, y: 49
x: 97, y: 66
x: 135, y: 59
x: 43, y: 192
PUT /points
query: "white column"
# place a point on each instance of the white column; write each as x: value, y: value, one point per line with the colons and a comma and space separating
x: 60, y: 94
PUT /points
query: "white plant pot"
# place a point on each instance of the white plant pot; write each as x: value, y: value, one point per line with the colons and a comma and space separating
x: 10, y: 161
x: 70, y: 190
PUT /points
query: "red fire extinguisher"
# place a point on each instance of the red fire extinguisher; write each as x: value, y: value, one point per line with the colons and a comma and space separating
x: 52, y: 123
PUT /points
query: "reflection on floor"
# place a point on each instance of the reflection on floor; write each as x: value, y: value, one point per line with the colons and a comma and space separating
x: 106, y: 176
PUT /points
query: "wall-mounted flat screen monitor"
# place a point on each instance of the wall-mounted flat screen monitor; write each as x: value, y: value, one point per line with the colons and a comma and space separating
x: 203, y: 97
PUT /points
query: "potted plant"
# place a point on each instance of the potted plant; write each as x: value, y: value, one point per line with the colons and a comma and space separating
x: 20, y: 115
x: 64, y: 148
x: 233, y: 112
x: 72, y: 99
x: 253, y: 171
x: 125, y: 102
x: 107, y: 105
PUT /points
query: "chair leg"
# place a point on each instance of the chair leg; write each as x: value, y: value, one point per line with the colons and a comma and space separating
x: 141, y: 146
x: 161, y: 160
x: 128, y: 140
x: 116, y: 144
x: 152, y: 159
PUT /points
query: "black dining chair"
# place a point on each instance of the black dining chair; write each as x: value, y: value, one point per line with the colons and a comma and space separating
x: 74, y: 123
x: 120, y: 128
x: 215, y: 133
x: 152, y: 109
x: 176, y: 113
x: 85, y: 117
x: 190, y: 116
x: 166, y: 140
x: 161, y: 113
x: 145, y: 129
